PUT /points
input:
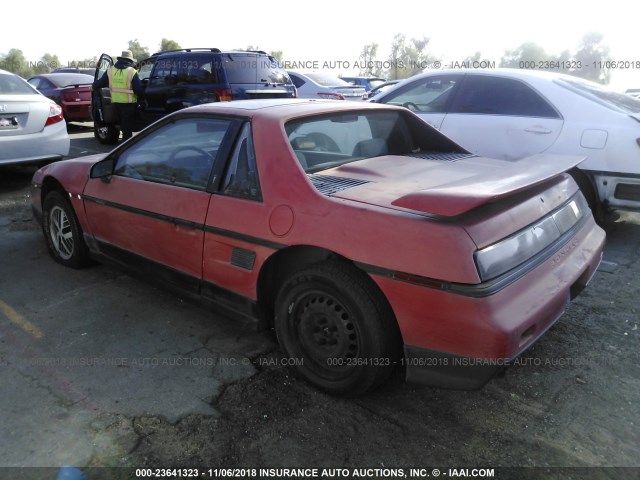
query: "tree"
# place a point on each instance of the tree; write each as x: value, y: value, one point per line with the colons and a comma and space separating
x: 591, y: 57
x: 527, y: 55
x: 166, y: 44
x: 47, y: 64
x: 473, y: 59
x: 15, y: 62
x: 277, y: 54
x: 86, y: 63
x: 139, y: 52
x: 408, y: 58
x: 369, y: 66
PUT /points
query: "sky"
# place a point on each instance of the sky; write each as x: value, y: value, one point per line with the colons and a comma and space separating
x: 329, y: 32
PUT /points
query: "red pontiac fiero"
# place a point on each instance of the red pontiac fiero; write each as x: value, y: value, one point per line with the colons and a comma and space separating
x: 364, y: 237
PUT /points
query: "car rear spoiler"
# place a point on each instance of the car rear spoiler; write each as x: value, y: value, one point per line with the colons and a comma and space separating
x: 456, y: 198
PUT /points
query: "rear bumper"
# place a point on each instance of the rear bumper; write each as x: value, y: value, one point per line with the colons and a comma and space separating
x: 77, y: 112
x: 445, y: 370
x: 51, y: 143
x: 618, y: 190
x: 460, y: 341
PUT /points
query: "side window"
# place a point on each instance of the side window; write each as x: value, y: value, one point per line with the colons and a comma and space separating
x: 196, y: 69
x: 180, y: 153
x: 500, y: 96
x: 240, y: 67
x: 35, y: 82
x: 337, y: 134
x: 241, y: 179
x: 164, y: 72
x: 430, y: 94
x: 144, y: 69
x: 297, y: 81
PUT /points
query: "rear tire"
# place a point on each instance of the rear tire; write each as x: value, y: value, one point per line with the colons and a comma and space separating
x: 62, y: 232
x: 338, y: 328
x: 106, y: 134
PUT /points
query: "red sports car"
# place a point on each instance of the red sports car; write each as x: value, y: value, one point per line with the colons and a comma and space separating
x: 366, y: 238
x: 70, y: 90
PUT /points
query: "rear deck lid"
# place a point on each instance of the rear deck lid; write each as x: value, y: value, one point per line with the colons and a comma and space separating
x: 23, y: 114
x: 445, y: 187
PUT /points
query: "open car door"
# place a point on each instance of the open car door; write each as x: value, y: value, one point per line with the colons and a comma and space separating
x: 105, y: 119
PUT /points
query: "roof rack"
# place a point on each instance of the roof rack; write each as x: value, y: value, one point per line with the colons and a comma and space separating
x: 214, y: 50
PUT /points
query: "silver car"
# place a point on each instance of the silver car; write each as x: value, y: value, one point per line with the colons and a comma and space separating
x: 323, y: 85
x: 32, y: 127
x: 511, y: 114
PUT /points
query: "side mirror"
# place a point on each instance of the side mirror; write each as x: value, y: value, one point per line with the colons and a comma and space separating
x: 103, y: 169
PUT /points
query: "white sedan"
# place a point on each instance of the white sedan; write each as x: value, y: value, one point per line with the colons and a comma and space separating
x: 324, y: 85
x: 32, y: 127
x: 511, y: 114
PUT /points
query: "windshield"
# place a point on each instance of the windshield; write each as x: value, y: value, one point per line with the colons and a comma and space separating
x: 13, y: 85
x: 604, y: 96
x: 327, y: 80
x: 252, y: 68
x: 375, y: 82
x: 66, y: 79
x: 328, y: 141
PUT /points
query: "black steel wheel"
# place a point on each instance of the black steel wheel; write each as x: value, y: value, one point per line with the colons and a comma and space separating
x: 337, y: 328
x: 62, y: 231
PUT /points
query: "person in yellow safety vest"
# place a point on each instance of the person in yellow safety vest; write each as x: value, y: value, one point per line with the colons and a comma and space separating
x: 125, y: 86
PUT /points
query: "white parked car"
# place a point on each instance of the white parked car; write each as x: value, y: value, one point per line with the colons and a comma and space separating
x: 324, y: 85
x: 511, y: 114
x: 32, y: 127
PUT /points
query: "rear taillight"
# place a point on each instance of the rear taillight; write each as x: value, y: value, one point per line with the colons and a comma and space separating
x: 55, y: 114
x: 331, y: 95
x: 223, y: 94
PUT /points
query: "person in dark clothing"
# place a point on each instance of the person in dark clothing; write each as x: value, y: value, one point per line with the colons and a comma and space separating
x: 125, y: 86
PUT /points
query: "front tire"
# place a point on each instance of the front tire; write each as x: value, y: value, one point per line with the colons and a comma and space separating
x: 106, y: 134
x: 338, y: 328
x: 62, y: 232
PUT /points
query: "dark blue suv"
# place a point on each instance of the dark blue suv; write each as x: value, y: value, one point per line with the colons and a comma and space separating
x: 181, y: 78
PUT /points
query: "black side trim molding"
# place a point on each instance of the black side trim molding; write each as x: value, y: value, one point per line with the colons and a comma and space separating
x: 145, y: 213
x: 187, y: 224
x: 172, y: 279
x: 149, y: 270
x: 245, y: 238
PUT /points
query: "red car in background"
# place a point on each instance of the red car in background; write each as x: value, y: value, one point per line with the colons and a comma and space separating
x: 72, y: 91
x: 367, y: 239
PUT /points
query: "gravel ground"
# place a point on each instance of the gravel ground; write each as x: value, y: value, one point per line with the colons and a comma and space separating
x: 571, y: 401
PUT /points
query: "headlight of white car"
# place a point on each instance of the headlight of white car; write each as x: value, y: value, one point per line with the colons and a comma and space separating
x: 507, y: 254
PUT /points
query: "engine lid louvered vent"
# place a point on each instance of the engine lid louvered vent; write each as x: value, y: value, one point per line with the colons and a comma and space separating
x: 441, y: 156
x: 328, y: 185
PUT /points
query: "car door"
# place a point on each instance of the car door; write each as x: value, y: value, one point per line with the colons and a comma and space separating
x: 501, y: 117
x: 150, y: 213
x: 160, y: 88
x: 237, y: 223
x: 428, y: 96
x: 101, y: 100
